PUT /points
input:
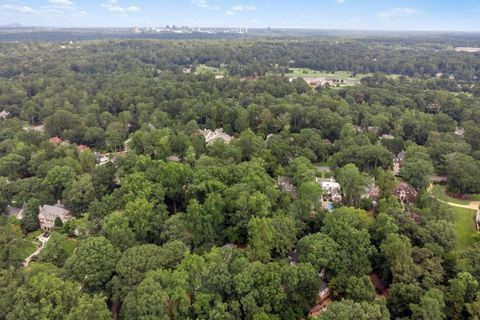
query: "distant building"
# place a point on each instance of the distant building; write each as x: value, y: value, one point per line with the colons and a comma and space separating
x: 331, y: 189
x: 101, y: 159
x: 372, y: 191
x: 323, y: 297
x: 82, y: 147
x: 39, y: 128
x: 398, y: 162
x: 477, y: 220
x: 387, y: 137
x: 47, y: 215
x: 406, y: 193
x: 55, y: 140
x: 4, y: 114
x: 374, y: 130
x: 459, y: 131
x: 286, y: 184
x: 173, y: 158
x: 14, y: 212
x: 211, y: 136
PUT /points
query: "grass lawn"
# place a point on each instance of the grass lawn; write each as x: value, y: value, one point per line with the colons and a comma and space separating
x: 465, y: 227
x: 24, y: 249
x: 201, y: 68
x: 439, y: 192
x: 474, y: 197
x: 32, y: 235
x: 69, y: 245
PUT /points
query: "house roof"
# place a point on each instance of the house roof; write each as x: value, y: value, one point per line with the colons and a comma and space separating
x: 211, y: 136
x: 55, y: 140
x: 82, y: 147
x: 52, y: 212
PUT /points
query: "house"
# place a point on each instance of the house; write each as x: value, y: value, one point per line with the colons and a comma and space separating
x: 358, y: 128
x: 211, y: 136
x: 398, y: 162
x: 4, y: 114
x: 331, y: 188
x: 55, y: 140
x: 406, y: 193
x: 286, y: 184
x: 477, y: 219
x: 372, y: 191
x: 460, y: 132
x: 101, y: 159
x: 323, y: 297
x: 438, y: 179
x: 323, y: 169
x: 374, y: 130
x: 14, y: 212
x: 173, y: 158
x: 387, y: 137
x: 48, y: 214
x: 82, y: 147
x: 39, y: 128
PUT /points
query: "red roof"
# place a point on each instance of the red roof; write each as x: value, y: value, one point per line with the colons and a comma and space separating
x: 82, y: 147
x: 55, y: 140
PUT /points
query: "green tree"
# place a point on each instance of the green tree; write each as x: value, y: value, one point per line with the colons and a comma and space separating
x: 92, y: 263
x: 54, y: 251
x: 90, y: 308
x: 117, y: 229
x: 348, y: 309
x: 359, y: 289
x: 79, y: 194
x: 161, y: 295
x: 261, y: 238
x: 460, y: 293
x: 353, y: 183
x: 431, y: 306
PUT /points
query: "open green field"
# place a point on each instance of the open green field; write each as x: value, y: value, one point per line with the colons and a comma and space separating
x: 201, y: 68
x: 465, y: 227
x: 32, y: 235
x: 309, y: 73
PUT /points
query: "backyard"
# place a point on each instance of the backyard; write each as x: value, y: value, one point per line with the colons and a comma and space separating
x: 465, y: 227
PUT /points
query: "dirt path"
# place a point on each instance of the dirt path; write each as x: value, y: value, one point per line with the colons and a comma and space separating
x: 36, y: 253
x: 474, y: 205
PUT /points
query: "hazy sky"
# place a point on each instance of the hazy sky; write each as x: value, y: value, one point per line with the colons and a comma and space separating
x: 330, y: 14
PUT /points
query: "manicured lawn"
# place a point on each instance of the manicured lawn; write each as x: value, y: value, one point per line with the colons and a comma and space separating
x: 309, y: 73
x: 69, y: 245
x: 465, y: 227
x: 32, y: 235
x: 474, y: 197
x: 201, y: 68
x: 24, y: 248
x: 439, y: 192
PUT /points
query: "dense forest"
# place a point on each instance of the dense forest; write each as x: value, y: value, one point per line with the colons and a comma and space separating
x: 196, y: 179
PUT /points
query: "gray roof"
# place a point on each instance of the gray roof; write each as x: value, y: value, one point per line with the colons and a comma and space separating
x: 12, y: 211
x: 52, y: 212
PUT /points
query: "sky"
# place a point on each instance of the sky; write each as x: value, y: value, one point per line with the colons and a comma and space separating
x: 422, y: 15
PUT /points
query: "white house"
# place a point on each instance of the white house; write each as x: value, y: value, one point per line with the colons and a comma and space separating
x: 331, y: 188
x: 211, y: 136
x: 101, y: 159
